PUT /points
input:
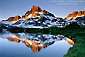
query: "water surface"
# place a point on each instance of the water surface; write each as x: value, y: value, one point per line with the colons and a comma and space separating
x: 33, y: 45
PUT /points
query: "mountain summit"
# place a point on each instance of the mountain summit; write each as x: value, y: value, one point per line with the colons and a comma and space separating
x: 14, y: 19
x: 75, y: 14
x: 35, y: 11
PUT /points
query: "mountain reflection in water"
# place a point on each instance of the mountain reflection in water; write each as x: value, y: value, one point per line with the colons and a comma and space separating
x: 35, y: 41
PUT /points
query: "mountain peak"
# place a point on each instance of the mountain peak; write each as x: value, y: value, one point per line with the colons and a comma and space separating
x: 34, y: 12
x: 14, y: 19
x: 36, y: 9
x: 75, y: 14
x: 81, y: 13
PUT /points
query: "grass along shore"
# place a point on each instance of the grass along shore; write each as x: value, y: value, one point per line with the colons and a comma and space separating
x: 78, y: 50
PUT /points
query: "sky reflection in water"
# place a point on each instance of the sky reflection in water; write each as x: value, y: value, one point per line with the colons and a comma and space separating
x: 33, y: 44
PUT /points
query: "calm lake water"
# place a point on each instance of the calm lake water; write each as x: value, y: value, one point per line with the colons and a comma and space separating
x: 33, y: 45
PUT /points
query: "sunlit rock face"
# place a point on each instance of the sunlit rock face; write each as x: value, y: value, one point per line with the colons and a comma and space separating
x: 81, y: 13
x: 35, y: 11
x: 75, y: 14
x: 14, y: 19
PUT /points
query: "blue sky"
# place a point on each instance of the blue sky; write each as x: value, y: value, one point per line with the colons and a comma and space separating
x: 60, y: 8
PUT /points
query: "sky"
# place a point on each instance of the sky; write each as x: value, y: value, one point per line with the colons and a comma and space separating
x: 60, y: 8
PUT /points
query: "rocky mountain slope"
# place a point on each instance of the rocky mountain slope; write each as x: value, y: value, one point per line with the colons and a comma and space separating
x: 38, y: 18
x: 75, y: 14
x: 34, y: 12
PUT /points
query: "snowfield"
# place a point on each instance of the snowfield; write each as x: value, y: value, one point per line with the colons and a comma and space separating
x: 44, y: 22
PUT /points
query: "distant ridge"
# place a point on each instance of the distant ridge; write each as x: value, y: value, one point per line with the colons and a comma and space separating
x: 75, y: 14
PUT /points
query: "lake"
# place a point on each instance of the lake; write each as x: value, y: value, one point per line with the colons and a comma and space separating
x: 33, y: 45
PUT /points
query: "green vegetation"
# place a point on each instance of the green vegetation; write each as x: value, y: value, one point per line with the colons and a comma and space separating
x: 78, y: 50
x: 29, y: 30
